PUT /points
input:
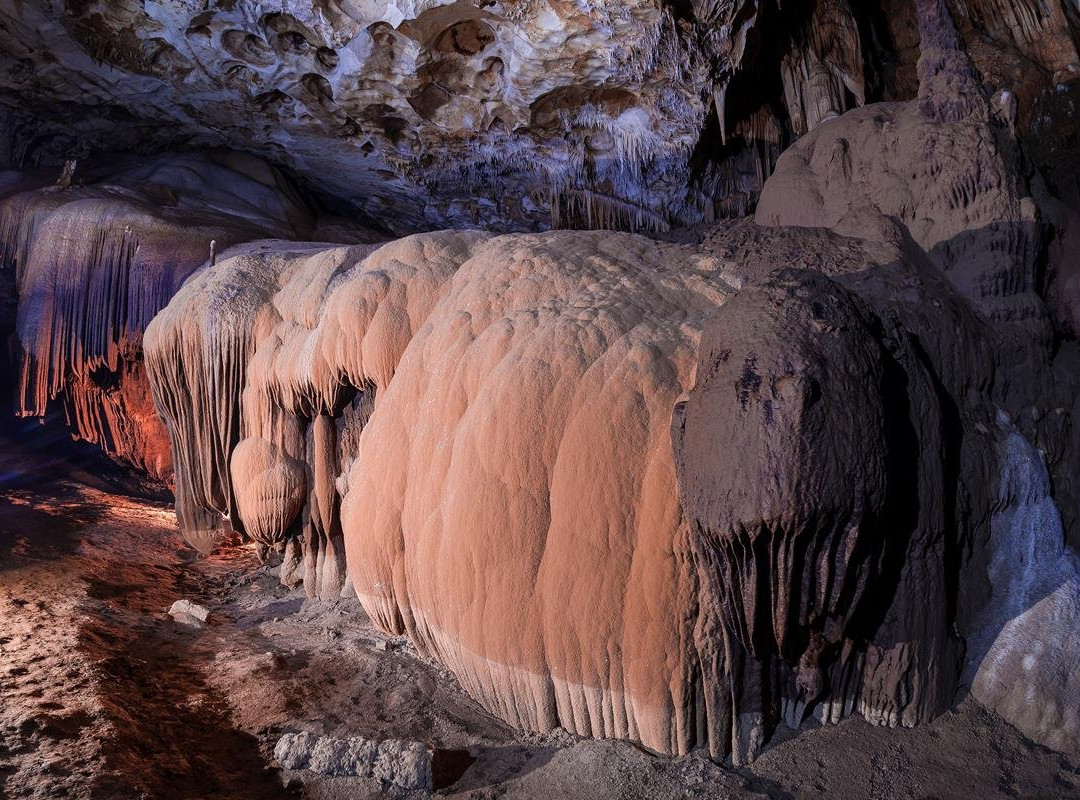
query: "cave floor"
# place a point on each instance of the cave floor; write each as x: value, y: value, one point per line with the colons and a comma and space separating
x: 103, y: 695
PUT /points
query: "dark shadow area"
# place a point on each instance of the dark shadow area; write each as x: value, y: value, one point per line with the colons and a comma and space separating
x: 447, y: 767
x: 32, y: 534
x: 491, y: 766
x: 174, y: 736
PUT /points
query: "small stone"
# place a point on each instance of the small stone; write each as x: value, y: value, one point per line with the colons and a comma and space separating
x: 185, y: 611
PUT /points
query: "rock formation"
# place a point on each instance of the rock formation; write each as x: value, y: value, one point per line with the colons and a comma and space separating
x: 313, y: 335
x: 678, y: 490
x: 95, y: 262
x: 407, y: 765
x: 530, y: 422
x: 1020, y: 663
x: 777, y: 478
x: 638, y: 115
x: 943, y: 167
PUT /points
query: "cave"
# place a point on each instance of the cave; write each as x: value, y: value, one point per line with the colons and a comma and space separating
x: 540, y: 399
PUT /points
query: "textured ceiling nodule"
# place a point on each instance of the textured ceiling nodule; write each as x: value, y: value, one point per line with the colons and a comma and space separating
x: 435, y: 113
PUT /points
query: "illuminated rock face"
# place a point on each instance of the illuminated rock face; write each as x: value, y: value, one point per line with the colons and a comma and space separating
x: 678, y: 494
x: 94, y: 263
x: 269, y: 347
x: 452, y: 421
x: 513, y: 505
x: 631, y: 489
x: 1022, y: 659
x: 514, y: 115
x: 671, y: 493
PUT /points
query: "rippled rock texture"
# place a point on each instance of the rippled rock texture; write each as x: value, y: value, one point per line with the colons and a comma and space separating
x: 674, y: 493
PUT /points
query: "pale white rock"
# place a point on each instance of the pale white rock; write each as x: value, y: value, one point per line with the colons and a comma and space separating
x: 1025, y: 661
x: 186, y: 611
x: 406, y: 765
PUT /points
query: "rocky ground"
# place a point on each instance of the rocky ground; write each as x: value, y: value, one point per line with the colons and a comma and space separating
x: 106, y: 696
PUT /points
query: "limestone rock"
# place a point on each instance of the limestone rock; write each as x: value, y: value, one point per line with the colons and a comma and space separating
x: 312, y: 336
x: 500, y: 403
x: 406, y: 765
x: 527, y: 424
x: 187, y: 612
x: 1024, y: 661
x: 95, y: 263
x: 270, y: 491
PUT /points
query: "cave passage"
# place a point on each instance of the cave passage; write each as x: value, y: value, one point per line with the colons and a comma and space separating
x: 540, y: 399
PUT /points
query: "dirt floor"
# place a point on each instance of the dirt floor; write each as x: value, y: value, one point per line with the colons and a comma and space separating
x: 103, y: 695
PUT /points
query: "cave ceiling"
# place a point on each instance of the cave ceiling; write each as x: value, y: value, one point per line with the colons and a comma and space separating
x: 515, y: 115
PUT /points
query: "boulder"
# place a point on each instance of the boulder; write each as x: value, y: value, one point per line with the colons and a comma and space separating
x: 405, y: 765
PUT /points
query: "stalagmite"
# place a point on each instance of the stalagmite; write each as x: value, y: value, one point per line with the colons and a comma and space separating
x: 938, y: 165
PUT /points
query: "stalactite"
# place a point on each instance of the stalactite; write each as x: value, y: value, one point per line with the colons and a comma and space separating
x: 20, y: 214
x: 197, y: 352
x: 249, y: 379
x: 731, y: 184
x: 94, y: 264
x: 595, y: 211
x: 822, y: 67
